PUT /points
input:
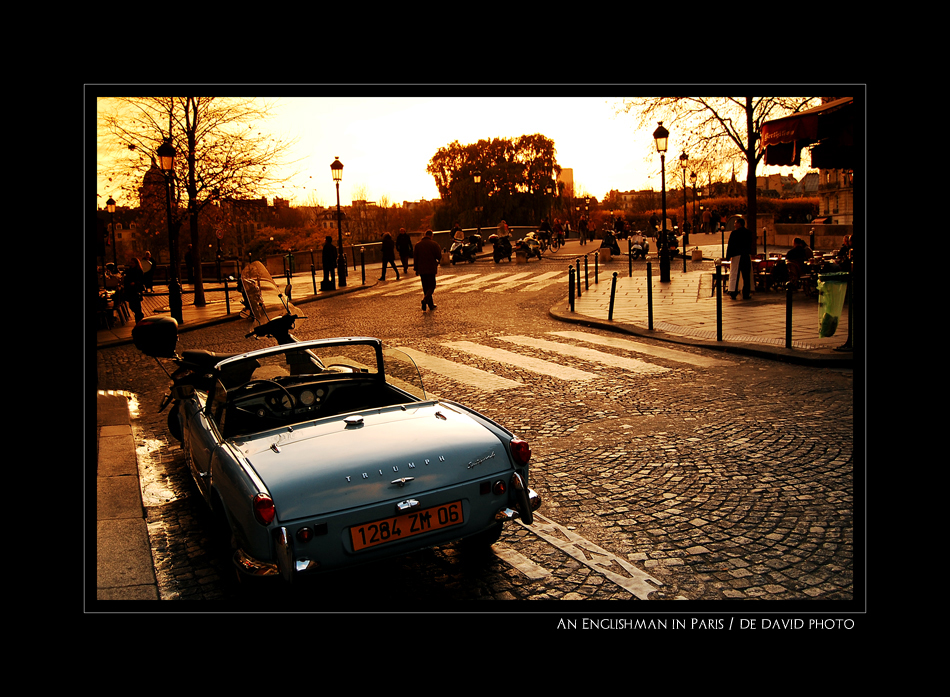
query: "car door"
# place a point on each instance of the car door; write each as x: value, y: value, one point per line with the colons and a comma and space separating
x: 202, y: 437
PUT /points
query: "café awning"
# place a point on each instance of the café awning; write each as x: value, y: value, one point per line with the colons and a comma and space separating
x: 829, y: 128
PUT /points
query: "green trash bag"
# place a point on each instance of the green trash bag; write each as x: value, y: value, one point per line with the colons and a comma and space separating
x: 832, y: 287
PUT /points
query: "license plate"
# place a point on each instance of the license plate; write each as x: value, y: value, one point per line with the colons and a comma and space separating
x: 406, y: 525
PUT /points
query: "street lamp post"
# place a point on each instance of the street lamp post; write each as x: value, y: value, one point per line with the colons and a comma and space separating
x: 661, y: 136
x: 684, y: 158
x: 110, y: 206
x: 336, y: 167
x: 166, y: 156
x: 692, y: 179
x: 477, y: 176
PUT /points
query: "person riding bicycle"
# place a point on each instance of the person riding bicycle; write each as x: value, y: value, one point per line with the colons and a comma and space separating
x: 544, y: 233
x: 558, y: 232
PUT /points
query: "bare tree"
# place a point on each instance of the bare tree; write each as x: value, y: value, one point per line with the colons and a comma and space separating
x: 715, y: 131
x: 222, y: 152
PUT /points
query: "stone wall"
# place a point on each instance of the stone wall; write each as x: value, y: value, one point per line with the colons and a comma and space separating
x: 820, y: 237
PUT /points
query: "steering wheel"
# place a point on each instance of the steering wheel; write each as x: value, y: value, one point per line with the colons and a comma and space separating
x: 293, y: 402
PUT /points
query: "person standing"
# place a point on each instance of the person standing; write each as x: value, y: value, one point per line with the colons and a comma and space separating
x: 583, y: 233
x: 739, y: 251
x: 132, y: 287
x: 389, y: 255
x: 148, y: 271
x: 425, y: 259
x: 404, y: 247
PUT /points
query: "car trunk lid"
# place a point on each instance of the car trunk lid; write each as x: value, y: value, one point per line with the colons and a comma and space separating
x: 380, y: 455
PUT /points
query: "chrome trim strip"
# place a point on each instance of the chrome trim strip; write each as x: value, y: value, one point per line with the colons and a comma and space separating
x: 284, y: 549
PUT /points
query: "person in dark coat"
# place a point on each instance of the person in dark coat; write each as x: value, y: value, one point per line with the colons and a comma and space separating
x: 389, y: 255
x: 132, y: 287
x: 329, y: 259
x: 739, y: 251
x: 404, y: 247
x: 425, y: 259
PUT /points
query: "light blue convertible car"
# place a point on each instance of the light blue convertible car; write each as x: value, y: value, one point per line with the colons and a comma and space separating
x: 324, y: 454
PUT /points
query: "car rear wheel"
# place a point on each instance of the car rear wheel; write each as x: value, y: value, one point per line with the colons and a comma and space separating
x: 481, y: 542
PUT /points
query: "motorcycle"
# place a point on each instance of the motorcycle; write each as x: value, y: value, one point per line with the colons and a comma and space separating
x: 672, y: 242
x: 502, y: 249
x: 463, y: 250
x: 611, y: 242
x: 530, y: 246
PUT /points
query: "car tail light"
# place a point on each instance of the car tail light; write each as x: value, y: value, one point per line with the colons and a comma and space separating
x: 499, y: 488
x: 264, y: 509
x: 304, y: 535
x: 520, y: 450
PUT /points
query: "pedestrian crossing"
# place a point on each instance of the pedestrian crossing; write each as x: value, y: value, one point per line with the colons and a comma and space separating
x: 527, y: 281
x: 587, y: 364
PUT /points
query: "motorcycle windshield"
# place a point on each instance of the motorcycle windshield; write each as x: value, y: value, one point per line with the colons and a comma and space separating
x: 265, y: 298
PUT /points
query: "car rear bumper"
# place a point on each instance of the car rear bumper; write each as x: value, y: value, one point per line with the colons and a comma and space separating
x: 288, y: 565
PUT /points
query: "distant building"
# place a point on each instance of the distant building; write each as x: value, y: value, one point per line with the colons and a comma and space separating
x: 781, y: 185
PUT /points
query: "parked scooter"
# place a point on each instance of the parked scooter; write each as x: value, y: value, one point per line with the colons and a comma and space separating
x: 639, y: 246
x: 672, y: 242
x: 502, y: 249
x: 530, y: 245
x: 611, y: 242
x: 157, y: 336
x: 463, y: 250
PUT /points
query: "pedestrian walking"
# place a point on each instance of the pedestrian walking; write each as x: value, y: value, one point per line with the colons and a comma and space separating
x: 404, y: 247
x: 739, y: 252
x: 389, y: 255
x: 425, y: 259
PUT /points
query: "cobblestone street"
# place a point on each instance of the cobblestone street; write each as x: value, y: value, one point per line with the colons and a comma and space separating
x: 730, y: 482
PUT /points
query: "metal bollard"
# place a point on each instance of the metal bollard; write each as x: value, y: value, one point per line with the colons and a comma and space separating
x: 596, y: 267
x: 630, y: 257
x: 789, y: 287
x: 227, y: 297
x: 578, y: 263
x: 363, y: 263
x: 613, y: 293
x: 586, y: 275
x: 650, y: 295
x: 570, y: 286
x: 313, y: 277
x: 718, y: 302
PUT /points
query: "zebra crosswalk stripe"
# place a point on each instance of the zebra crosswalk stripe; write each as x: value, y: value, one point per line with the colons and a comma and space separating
x: 481, y: 379
x: 535, y: 365
x: 488, y: 381
x: 477, y: 285
x: 656, y: 351
x: 609, y: 359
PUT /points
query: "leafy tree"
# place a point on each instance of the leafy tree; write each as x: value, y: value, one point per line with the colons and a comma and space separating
x: 221, y: 152
x: 516, y: 175
x: 715, y: 131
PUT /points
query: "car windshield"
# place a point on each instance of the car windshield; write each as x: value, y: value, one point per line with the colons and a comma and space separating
x: 301, y: 382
